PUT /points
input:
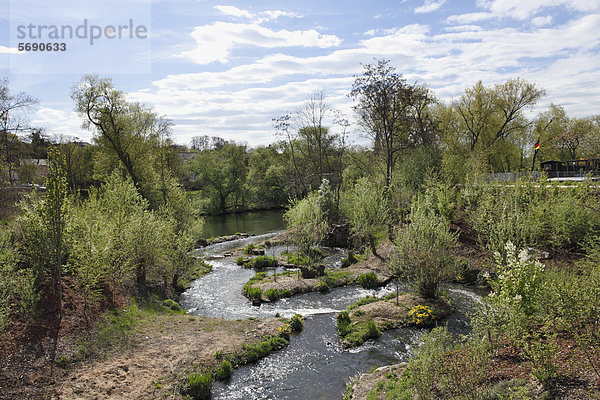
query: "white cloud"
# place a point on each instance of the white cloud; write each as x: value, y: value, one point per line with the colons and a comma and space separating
x: 239, y: 102
x: 542, y: 21
x: 234, y: 11
x: 215, y: 42
x: 469, y: 18
x: 519, y: 9
x: 59, y: 123
x: 429, y: 6
x: 260, y: 17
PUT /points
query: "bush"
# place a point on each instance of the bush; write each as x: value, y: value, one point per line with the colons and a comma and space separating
x: 348, y: 261
x: 223, y: 372
x: 421, y: 316
x: 343, y: 323
x: 249, y: 249
x: 284, y: 331
x: 171, y: 304
x: 264, y: 262
x: 198, y: 385
x: 322, y: 286
x: 296, y: 324
x: 371, y: 330
x: 254, y: 294
x: 423, y: 250
x: 241, y: 260
x: 297, y: 259
x: 368, y: 280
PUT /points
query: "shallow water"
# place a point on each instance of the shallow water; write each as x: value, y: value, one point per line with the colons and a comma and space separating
x: 313, y: 366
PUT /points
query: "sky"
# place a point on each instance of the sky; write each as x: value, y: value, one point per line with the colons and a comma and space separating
x: 227, y: 68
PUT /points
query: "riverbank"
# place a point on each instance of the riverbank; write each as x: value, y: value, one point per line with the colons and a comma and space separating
x: 160, y: 353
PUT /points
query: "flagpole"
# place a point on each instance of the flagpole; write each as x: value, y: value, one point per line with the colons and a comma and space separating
x: 536, y: 146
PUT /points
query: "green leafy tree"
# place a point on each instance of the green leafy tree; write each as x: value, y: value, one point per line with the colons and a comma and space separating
x: 365, y: 205
x: 221, y: 174
x: 423, y: 247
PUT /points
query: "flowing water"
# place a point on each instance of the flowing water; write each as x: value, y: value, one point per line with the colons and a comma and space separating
x: 313, y: 366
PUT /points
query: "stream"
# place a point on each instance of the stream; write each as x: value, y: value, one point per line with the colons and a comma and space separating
x: 314, y: 365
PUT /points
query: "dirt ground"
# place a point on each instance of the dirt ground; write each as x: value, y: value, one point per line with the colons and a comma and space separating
x: 156, y: 352
x: 163, y: 349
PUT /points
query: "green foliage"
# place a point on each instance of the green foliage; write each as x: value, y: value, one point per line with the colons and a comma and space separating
x: 297, y: 259
x: 422, y: 250
x: 307, y: 221
x: 261, y: 262
x: 272, y: 294
x: 223, y: 372
x: 253, y: 352
x: 296, y: 323
x: 249, y: 249
x: 359, y: 333
x: 362, y: 301
x: 241, y: 260
x: 17, y: 286
x: 343, y: 323
x: 443, y: 368
x: 365, y: 205
x: 348, y: 261
x: 368, y: 280
x: 198, y: 385
x: 532, y: 214
x: 518, y: 281
x: 171, y: 304
x: 322, y: 286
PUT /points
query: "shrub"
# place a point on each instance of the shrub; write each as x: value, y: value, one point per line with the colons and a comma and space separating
x: 297, y: 259
x: 322, y: 286
x: 368, y: 280
x: 371, y: 330
x: 421, y: 316
x: 254, y: 293
x: 348, y: 261
x: 423, y: 250
x: 223, y: 372
x: 264, y: 262
x: 198, y: 385
x: 249, y: 248
x: 284, y: 331
x: 171, y: 304
x: 241, y: 260
x: 343, y: 323
x: 296, y: 324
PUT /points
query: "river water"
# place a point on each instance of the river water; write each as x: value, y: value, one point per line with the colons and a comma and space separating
x: 313, y: 366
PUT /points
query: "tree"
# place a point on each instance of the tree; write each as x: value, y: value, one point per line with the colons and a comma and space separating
x: 13, y: 120
x: 385, y: 105
x: 307, y: 221
x: 129, y: 135
x: 488, y: 119
x: 423, y: 250
x: 366, y: 207
x: 222, y: 174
